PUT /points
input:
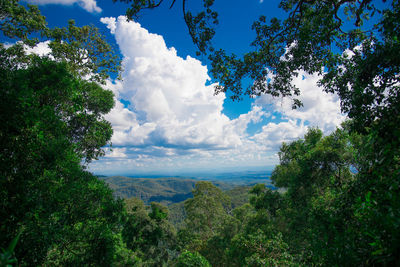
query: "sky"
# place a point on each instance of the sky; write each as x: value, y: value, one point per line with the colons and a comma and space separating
x: 166, y: 118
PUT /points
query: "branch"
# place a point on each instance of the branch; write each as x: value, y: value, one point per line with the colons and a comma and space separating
x: 299, y: 6
x: 173, y: 2
x: 187, y: 21
x: 156, y: 5
x: 359, y: 11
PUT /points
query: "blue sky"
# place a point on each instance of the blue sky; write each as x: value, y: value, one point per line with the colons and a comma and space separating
x: 167, y: 119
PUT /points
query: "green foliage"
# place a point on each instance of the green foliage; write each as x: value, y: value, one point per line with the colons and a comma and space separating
x: 206, y: 211
x: 207, y: 226
x: 313, y: 164
x: 330, y: 215
x: 177, y: 215
x: 265, y: 198
x: 149, y: 233
x: 256, y: 249
x: 87, y: 219
x: 84, y: 48
x: 376, y: 197
x: 19, y: 22
x: 7, y: 255
x: 47, y: 97
x: 52, y: 120
x: 316, y: 173
x: 239, y: 195
x: 189, y: 259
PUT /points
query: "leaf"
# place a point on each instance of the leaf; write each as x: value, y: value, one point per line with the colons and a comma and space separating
x: 14, y: 242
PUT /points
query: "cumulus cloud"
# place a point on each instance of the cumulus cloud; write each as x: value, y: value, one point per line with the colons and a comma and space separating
x: 88, y: 5
x: 40, y: 49
x: 320, y: 109
x: 273, y: 134
x: 170, y: 105
x: 166, y: 116
x: 116, y: 152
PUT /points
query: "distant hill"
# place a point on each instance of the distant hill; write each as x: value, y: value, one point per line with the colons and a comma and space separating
x: 245, y: 178
x: 164, y: 190
x: 172, y: 191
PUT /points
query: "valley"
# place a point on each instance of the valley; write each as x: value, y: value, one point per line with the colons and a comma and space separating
x: 170, y: 190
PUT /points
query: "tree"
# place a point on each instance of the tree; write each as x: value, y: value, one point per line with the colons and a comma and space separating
x: 52, y: 120
x: 257, y: 249
x: 208, y: 227
x: 323, y: 214
x: 149, y: 233
x: 84, y: 48
x: 206, y: 211
x: 43, y: 183
x: 316, y: 173
x: 189, y: 259
x: 265, y: 198
x: 313, y: 163
x: 19, y: 22
x: 259, y: 240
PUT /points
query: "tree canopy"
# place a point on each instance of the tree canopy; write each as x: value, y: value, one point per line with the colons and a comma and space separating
x: 53, y: 109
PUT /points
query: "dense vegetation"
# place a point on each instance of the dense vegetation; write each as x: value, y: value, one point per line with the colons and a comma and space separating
x: 341, y: 200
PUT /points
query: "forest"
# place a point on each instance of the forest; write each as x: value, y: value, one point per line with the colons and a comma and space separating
x: 338, y: 202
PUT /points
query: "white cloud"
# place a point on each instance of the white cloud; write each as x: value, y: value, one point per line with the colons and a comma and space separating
x: 170, y: 105
x: 110, y: 24
x: 273, y: 134
x: 116, y: 153
x: 170, y: 117
x: 40, y: 49
x: 320, y: 109
x: 88, y: 5
x: 167, y: 118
